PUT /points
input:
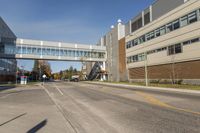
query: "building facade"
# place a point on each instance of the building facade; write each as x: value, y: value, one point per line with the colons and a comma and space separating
x: 114, y: 40
x: 7, y: 66
x: 163, y: 43
x: 160, y: 44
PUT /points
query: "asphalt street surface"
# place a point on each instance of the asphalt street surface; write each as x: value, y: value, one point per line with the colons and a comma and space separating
x: 67, y: 107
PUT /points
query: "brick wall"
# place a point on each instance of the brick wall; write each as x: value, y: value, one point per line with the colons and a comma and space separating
x: 184, y: 70
x: 122, y: 60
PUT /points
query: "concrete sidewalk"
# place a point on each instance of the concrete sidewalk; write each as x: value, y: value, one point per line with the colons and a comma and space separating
x: 145, y: 87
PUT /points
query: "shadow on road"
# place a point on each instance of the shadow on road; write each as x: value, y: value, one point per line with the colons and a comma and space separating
x: 3, y: 88
x: 38, y: 126
x: 12, y: 119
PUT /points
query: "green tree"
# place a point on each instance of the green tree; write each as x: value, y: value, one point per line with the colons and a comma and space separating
x: 41, y: 67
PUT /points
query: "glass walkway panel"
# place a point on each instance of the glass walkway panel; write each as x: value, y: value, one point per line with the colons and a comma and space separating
x: 34, y: 49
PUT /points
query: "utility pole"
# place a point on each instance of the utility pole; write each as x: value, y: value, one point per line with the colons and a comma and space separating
x: 146, y: 70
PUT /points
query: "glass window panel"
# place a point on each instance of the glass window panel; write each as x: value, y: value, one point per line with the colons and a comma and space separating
x: 53, y: 52
x: 69, y: 53
x: 44, y: 51
x: 157, y: 32
x: 34, y: 50
x: 169, y: 27
x: 57, y: 52
x: 176, y: 24
x: 135, y: 42
x: 171, y: 50
x: 23, y: 50
x: 48, y: 51
x: 38, y: 51
x: 184, y: 21
x: 192, y: 17
x: 186, y: 43
x: 61, y: 52
x: 178, y: 48
x: 29, y: 50
x: 195, y: 40
x: 148, y: 36
x: 128, y: 44
x: 152, y: 35
x: 162, y: 30
x: 142, y: 39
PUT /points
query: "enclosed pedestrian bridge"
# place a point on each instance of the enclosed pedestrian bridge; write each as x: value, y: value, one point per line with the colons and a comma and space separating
x: 46, y: 50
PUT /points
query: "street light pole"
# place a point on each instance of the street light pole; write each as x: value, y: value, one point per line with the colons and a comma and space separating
x: 146, y: 70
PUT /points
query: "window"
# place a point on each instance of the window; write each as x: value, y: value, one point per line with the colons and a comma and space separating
x: 142, y: 39
x: 141, y: 57
x: 161, y: 49
x: 157, y: 32
x: 146, y: 18
x: 132, y: 43
x: 195, y: 40
x: 171, y: 50
x: 61, y: 52
x: 135, y: 58
x: 184, y: 21
x: 139, y: 23
x: 129, y: 60
x: 38, y: 51
x: 169, y: 27
x: 148, y: 36
x: 178, y: 48
x: 186, y: 42
x: 162, y: 30
x: 48, y: 51
x: 176, y: 24
x: 134, y: 26
x: 53, y: 52
x: 29, y: 50
x: 128, y: 44
x: 192, y: 17
x: 34, y: 50
x: 152, y: 36
x: 135, y: 42
x: 174, y: 49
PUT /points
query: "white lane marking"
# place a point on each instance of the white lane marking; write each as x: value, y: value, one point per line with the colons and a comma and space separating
x: 60, y: 109
x: 58, y: 90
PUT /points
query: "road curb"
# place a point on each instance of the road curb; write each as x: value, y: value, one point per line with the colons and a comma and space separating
x: 146, y: 88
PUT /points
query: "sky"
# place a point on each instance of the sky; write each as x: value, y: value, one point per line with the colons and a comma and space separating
x: 75, y: 21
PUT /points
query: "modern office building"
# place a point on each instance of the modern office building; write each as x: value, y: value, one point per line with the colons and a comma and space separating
x: 7, y: 66
x: 163, y: 43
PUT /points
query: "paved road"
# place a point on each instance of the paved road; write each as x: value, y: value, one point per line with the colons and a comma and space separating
x: 61, y: 107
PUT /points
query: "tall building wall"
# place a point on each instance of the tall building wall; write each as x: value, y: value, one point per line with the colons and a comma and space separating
x: 7, y: 66
x: 168, y: 46
x: 115, y: 44
x: 161, y: 7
